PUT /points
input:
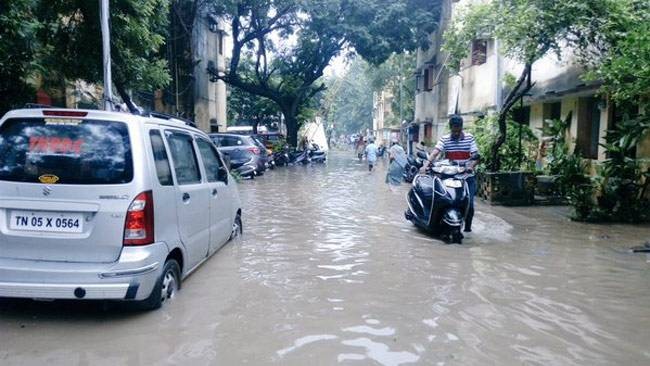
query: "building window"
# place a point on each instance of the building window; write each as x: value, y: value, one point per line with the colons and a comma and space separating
x: 588, y: 128
x: 428, y: 78
x: 428, y: 132
x: 551, y: 112
x: 220, y: 43
x: 479, y: 51
x: 427, y: 74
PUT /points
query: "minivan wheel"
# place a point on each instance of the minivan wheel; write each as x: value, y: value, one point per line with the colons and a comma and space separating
x: 237, y: 228
x: 166, y: 288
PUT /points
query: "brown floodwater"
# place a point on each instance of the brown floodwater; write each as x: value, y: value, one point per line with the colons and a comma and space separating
x: 329, y: 272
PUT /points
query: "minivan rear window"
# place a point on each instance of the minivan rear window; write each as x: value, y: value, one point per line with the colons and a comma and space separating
x: 65, y: 151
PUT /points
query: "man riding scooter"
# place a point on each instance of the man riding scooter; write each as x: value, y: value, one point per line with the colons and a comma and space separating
x: 459, y: 147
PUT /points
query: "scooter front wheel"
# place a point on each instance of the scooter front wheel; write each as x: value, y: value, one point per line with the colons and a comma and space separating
x: 455, y: 236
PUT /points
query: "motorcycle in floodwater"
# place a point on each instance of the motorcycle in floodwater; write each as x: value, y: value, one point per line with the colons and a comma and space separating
x: 412, y: 167
x: 438, y: 201
x: 299, y: 157
x: 317, y: 155
x: 281, y: 157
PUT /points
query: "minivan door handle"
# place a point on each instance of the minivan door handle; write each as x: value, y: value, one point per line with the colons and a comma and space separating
x: 186, y: 197
x: 214, y: 192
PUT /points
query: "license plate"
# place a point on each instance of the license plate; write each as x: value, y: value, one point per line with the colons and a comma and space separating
x: 57, y: 222
x: 453, y: 183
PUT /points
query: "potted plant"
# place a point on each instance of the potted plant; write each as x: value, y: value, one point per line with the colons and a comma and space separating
x: 514, y: 184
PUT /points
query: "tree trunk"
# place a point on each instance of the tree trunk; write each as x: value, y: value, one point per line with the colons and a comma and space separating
x: 292, y: 129
x: 255, y: 124
x: 519, y: 91
x: 126, y: 98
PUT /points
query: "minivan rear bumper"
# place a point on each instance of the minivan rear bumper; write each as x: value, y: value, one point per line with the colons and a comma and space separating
x: 131, y: 277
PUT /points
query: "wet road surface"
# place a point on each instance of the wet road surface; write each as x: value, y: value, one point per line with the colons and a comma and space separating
x: 329, y: 272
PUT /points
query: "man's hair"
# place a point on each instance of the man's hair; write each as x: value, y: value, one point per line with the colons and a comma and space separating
x: 456, y: 120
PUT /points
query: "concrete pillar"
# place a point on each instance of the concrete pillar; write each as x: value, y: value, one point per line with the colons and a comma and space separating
x: 209, y: 96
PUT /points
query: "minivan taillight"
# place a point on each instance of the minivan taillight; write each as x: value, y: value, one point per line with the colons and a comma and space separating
x: 138, y: 227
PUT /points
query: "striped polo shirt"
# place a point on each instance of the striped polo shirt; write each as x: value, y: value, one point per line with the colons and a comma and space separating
x: 460, y: 149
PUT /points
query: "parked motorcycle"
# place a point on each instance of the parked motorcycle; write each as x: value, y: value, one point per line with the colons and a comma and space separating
x: 412, y: 167
x: 281, y: 157
x: 316, y: 154
x: 299, y: 157
x: 438, y: 201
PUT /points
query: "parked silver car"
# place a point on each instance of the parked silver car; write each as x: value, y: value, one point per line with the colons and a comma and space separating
x: 107, y: 205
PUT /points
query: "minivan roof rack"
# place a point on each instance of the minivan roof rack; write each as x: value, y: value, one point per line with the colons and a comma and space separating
x: 36, y: 105
x: 171, y: 116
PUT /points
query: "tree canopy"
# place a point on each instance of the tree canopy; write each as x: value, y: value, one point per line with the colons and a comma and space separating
x: 18, y: 50
x: 348, y: 100
x: 73, y: 39
x: 531, y: 29
x: 291, y: 42
x: 61, y: 40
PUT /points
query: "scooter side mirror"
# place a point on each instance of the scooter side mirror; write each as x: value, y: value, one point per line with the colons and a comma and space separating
x: 422, y: 155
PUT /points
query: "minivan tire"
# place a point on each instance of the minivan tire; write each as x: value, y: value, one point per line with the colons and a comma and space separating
x: 169, y: 282
x: 237, y: 227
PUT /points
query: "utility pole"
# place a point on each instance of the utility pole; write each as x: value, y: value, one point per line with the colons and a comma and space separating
x: 499, y: 77
x: 401, y: 117
x: 106, y: 48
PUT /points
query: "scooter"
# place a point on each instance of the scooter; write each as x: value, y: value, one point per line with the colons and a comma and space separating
x: 299, y: 157
x: 317, y: 155
x: 438, y: 201
x: 281, y: 157
x: 412, y: 167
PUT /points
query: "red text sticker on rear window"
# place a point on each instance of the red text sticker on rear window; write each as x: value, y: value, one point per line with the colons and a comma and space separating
x: 55, y: 145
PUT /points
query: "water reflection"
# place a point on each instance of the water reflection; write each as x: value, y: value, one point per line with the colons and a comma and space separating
x: 329, y: 272
x: 517, y: 291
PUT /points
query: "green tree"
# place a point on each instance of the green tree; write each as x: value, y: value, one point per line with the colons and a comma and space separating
x: 396, y: 76
x: 249, y: 109
x: 349, y: 99
x: 296, y: 40
x: 528, y: 30
x: 71, y: 39
x: 18, y: 52
x: 611, y: 39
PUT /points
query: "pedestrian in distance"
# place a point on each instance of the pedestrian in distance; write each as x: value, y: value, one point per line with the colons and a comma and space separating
x: 371, y: 154
x: 397, y: 158
x: 459, y: 147
x: 360, y: 147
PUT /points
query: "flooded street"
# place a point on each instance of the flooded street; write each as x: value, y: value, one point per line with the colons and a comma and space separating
x: 329, y: 272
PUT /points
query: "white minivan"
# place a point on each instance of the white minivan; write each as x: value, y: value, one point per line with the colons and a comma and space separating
x: 108, y: 205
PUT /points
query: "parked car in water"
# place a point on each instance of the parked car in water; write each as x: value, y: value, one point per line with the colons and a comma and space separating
x: 246, y: 157
x: 107, y: 205
x: 270, y: 139
x: 264, y: 151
